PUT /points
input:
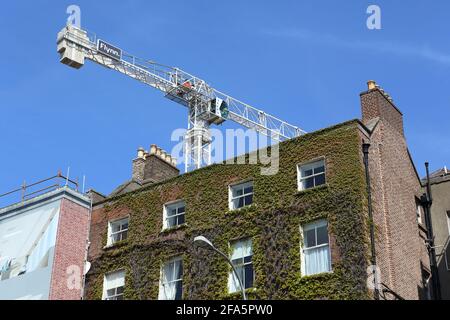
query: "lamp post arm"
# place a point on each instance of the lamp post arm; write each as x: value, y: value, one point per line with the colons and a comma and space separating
x: 244, y: 296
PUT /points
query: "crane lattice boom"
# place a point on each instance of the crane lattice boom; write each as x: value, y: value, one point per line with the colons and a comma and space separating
x: 206, y: 105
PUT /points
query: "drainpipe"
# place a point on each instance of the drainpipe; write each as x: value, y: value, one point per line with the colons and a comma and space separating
x: 427, y: 201
x: 373, y: 258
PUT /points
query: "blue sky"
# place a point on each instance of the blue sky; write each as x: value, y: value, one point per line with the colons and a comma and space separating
x: 303, y: 61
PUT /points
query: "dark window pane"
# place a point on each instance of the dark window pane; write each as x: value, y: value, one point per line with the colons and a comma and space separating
x: 179, y: 290
x: 308, y: 183
x: 248, y: 276
x: 125, y: 226
x: 248, y: 190
x: 120, y: 290
x: 310, y: 238
x: 124, y: 235
x: 248, y: 259
x: 111, y: 292
x: 319, y: 170
x: 307, y: 173
x: 240, y: 202
x: 322, y: 235
x: 181, y: 209
x: 180, y: 270
x: 248, y: 200
x: 181, y: 219
x: 320, y: 180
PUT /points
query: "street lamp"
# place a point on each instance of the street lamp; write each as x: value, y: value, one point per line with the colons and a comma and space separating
x: 202, y: 240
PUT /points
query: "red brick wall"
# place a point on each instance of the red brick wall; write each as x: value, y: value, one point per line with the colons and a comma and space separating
x: 399, y: 247
x: 70, y: 250
x: 99, y: 228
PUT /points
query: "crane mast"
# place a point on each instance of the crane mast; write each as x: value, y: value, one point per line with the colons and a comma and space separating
x: 206, y: 105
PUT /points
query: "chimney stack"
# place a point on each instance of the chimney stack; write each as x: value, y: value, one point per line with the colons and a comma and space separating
x: 378, y: 104
x: 154, y: 166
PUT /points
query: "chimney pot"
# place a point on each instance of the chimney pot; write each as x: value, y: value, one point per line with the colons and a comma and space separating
x: 154, y: 169
x: 168, y: 158
x: 141, y: 153
x: 371, y: 84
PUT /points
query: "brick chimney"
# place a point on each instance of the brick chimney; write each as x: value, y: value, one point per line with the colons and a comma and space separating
x: 376, y: 103
x: 154, y: 166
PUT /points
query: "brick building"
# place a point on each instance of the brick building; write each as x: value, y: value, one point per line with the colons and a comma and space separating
x: 303, y: 233
x: 43, y: 242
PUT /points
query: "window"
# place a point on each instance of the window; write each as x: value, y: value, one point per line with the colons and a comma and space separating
x: 241, y: 195
x: 171, y: 282
x: 174, y: 214
x: 419, y: 211
x: 311, y: 175
x: 316, y: 257
x: 117, y: 231
x: 448, y: 221
x: 241, y: 257
x: 113, y: 286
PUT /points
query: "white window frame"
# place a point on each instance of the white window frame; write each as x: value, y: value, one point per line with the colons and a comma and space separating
x: 105, y: 282
x: 161, y: 276
x: 231, y: 275
x: 312, y: 164
x: 242, y: 186
x: 178, y: 204
x: 111, y: 234
x: 306, y: 227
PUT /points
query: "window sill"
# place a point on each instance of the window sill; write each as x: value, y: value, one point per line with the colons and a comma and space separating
x: 116, y: 245
x: 238, y: 294
x: 174, y: 229
x: 317, y: 275
x: 243, y: 209
x: 315, y: 189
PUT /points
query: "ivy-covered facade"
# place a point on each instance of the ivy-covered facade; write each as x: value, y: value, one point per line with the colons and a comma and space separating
x: 273, y: 222
x: 273, y: 219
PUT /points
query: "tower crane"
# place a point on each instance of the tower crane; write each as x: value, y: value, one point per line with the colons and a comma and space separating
x: 206, y: 106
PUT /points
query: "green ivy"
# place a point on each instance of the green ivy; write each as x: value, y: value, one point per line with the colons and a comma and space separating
x: 273, y: 223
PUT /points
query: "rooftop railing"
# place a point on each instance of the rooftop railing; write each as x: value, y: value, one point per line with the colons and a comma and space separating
x: 32, y: 190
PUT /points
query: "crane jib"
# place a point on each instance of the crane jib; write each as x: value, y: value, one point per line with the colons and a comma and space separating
x: 211, y: 106
x: 109, y: 50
